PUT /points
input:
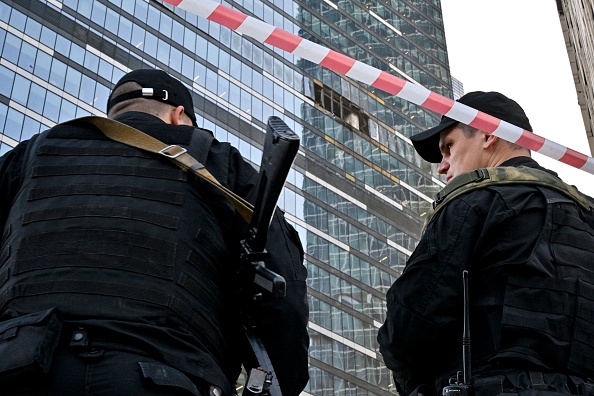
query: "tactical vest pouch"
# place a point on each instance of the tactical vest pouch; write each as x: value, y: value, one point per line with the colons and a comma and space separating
x: 27, y: 344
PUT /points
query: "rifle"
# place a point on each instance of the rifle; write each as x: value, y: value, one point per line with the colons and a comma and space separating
x: 280, y: 148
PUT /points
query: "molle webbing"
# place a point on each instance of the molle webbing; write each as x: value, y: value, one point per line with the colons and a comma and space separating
x: 485, y: 177
x: 66, y: 212
x: 178, y: 155
x: 123, y: 151
x: 102, y: 248
x: 64, y: 170
x: 158, y: 297
x: 151, y: 194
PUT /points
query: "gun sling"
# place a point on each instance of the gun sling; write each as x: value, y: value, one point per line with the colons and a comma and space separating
x: 133, y: 137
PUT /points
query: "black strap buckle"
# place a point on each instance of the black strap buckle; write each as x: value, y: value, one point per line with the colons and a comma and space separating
x: 481, y: 174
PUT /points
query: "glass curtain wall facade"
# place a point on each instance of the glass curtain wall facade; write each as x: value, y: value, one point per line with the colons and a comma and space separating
x: 357, y: 193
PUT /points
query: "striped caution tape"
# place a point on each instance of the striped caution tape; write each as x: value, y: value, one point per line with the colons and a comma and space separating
x: 387, y: 82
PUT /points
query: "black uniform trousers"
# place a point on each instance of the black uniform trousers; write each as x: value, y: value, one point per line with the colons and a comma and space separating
x: 96, y: 371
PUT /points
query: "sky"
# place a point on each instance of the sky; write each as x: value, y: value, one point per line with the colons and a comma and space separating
x: 516, y: 47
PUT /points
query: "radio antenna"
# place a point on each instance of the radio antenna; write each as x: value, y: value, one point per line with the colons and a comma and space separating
x: 466, y: 331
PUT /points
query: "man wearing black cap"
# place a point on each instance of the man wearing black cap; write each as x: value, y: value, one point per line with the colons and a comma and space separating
x: 526, y: 240
x: 117, y: 273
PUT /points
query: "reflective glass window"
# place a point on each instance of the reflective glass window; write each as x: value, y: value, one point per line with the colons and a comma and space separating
x: 67, y: 111
x: 234, y: 94
x: 153, y: 18
x: 12, y: 47
x: 72, y: 84
x: 3, y: 110
x: 187, y: 66
x: 189, y: 39
x: 7, y: 78
x: 224, y: 60
x: 33, y: 28
x: 43, y: 63
x: 51, y: 110
x: 105, y: 69
x: 128, y: 6
x: 212, y: 54
x: 36, y: 98
x: 246, y: 75
x: 18, y: 20
x: 20, y: 91
x: 125, y: 29
x: 257, y: 108
x: 246, y: 101
x: 48, y: 37
x: 201, y: 46
x: 137, y: 37
x: 63, y: 46
x: 77, y: 54
x: 91, y: 62
x: 27, y: 57
x: 163, y: 51
x: 98, y: 13
x: 111, y: 20
x: 14, y: 124
x: 117, y: 74
x: 101, y: 96
x: 58, y: 73
x: 222, y: 88
x: 258, y: 55
x: 80, y: 112
x: 70, y: 3
x: 4, y: 12
x: 211, y: 80
x: 165, y: 25
x: 84, y: 7
x: 256, y: 81
x: 175, y: 59
x: 30, y: 128
x: 141, y: 10
x: 150, y: 45
x: 87, y: 90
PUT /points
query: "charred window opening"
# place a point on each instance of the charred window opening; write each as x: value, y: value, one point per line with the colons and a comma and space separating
x: 344, y: 109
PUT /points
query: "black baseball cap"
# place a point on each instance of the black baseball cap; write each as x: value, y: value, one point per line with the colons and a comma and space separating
x: 493, y: 103
x: 157, y: 85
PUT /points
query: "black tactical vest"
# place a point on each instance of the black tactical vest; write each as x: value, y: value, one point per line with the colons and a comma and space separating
x: 123, y: 244
x: 548, y: 307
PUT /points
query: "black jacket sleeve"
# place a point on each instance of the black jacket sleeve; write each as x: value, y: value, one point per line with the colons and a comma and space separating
x: 10, y: 179
x: 423, y: 302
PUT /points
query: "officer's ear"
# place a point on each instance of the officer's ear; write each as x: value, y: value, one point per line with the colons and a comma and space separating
x: 179, y: 117
x: 489, y: 140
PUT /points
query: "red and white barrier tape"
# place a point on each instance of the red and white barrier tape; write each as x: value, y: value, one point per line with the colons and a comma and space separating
x: 389, y: 83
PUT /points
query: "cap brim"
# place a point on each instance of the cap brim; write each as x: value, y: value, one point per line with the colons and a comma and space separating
x: 426, y: 143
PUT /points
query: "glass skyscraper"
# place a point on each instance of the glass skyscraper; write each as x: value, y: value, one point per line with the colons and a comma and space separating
x: 357, y: 193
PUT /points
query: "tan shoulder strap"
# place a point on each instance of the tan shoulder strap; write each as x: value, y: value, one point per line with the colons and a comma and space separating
x: 133, y: 137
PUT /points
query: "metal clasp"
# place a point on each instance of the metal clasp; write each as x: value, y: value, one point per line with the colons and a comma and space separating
x: 149, y: 92
x: 163, y: 151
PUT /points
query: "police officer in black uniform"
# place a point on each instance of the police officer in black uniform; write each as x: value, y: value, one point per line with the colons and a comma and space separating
x: 527, y: 242
x: 117, y: 272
